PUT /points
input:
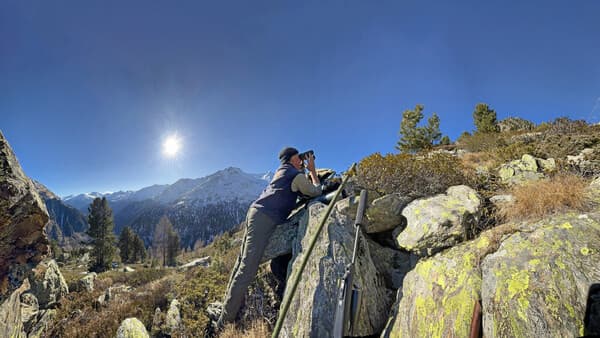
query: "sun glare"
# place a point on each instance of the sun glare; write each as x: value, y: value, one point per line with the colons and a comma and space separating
x: 171, y: 146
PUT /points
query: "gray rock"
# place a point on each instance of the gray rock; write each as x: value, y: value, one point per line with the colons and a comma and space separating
x: 502, y: 199
x: 11, y: 322
x: 312, y: 308
x: 528, y: 168
x: 86, y: 283
x: 29, y: 309
x: 214, y: 310
x: 48, y: 284
x: 441, y: 221
x: 385, y: 213
x: 538, y: 276
x: 23, y: 216
x: 393, y: 265
x: 173, y: 320
x: 132, y: 328
x: 46, y: 317
x: 157, y: 323
x: 283, y: 237
x: 128, y: 269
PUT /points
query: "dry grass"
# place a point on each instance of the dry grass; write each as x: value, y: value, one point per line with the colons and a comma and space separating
x: 538, y: 199
x: 478, y: 160
x: 258, y: 329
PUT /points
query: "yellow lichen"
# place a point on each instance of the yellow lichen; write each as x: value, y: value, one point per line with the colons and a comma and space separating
x: 483, y: 242
x: 585, y: 251
x: 566, y: 225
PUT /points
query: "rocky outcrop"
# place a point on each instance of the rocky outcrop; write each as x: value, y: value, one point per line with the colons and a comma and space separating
x: 23, y: 216
x: 173, y: 319
x: 86, y: 283
x: 312, y: 308
x: 440, y: 221
x: 528, y: 168
x: 385, y: 213
x: 132, y: 328
x: 531, y: 279
x: 48, y: 284
x: 11, y: 322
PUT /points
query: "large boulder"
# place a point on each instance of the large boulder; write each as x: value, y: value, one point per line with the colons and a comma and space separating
x: 48, y: 284
x: 441, y: 221
x: 283, y: 237
x: 312, y: 309
x: 86, y: 283
x: 532, y: 279
x: 173, y: 319
x: 23, y: 216
x: 45, y: 319
x: 385, y: 213
x: 538, y: 280
x: 132, y: 328
x: 11, y: 321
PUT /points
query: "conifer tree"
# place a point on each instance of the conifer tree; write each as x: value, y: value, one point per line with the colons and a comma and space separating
x: 414, y: 138
x: 101, y: 223
x: 126, y: 245
x: 485, y: 119
x: 160, y: 241
x: 173, y: 244
x: 139, y: 250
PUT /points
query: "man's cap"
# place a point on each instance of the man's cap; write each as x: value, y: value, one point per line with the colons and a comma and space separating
x: 286, y: 154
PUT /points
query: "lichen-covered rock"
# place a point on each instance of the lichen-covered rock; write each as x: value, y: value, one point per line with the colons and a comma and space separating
x: 45, y: 318
x: 173, y: 319
x: 48, y: 284
x: 23, y: 216
x: 11, y: 322
x: 29, y: 309
x: 132, y: 328
x: 312, y: 309
x: 203, y: 261
x: 528, y: 168
x: 86, y: 283
x: 532, y: 280
x: 537, y: 281
x: 440, y: 221
x: 385, y: 213
x: 439, y: 295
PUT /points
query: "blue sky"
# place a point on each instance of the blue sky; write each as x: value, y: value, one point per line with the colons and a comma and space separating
x: 90, y: 89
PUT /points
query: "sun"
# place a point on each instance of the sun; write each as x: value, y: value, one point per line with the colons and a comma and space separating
x: 171, y: 146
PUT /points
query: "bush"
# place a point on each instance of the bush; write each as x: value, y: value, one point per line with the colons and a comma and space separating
x: 480, y: 141
x: 410, y: 175
x: 515, y: 124
x: 538, y: 199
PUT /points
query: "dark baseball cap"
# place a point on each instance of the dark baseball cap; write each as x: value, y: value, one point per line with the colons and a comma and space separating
x: 286, y: 154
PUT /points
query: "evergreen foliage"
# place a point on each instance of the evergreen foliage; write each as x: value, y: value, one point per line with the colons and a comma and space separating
x: 485, y: 119
x: 131, y: 246
x: 101, y: 223
x: 165, y: 242
x: 414, y: 138
x: 445, y: 141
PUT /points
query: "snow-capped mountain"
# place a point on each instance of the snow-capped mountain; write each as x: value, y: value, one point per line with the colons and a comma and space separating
x: 198, y: 208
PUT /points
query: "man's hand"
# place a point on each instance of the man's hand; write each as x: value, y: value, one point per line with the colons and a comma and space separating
x: 311, y: 168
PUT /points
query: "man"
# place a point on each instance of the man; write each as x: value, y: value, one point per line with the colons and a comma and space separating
x: 272, y: 207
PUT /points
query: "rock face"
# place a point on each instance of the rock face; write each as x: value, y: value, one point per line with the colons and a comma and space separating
x: 440, y: 221
x: 537, y: 281
x: 385, y: 213
x: 132, y: 328
x: 11, y: 323
x: 528, y: 168
x: 532, y: 280
x: 312, y: 308
x: 23, y: 216
x: 48, y: 284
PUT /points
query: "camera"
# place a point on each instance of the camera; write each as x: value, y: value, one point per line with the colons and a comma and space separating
x: 304, y: 156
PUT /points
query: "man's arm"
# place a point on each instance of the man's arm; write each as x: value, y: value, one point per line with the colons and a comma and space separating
x: 302, y: 184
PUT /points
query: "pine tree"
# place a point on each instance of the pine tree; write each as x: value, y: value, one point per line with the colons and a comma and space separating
x: 485, y: 119
x: 413, y: 138
x: 173, y: 244
x: 139, y: 250
x: 126, y: 248
x: 101, y: 223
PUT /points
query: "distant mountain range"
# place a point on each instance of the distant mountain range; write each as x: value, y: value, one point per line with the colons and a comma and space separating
x: 198, y: 208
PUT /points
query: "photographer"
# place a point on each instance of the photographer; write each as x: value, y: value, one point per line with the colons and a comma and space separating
x: 272, y: 207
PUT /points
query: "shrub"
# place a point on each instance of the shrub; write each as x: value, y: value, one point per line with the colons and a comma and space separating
x: 410, y: 175
x: 480, y: 141
x: 560, y: 145
x: 515, y: 124
x: 564, y: 125
x: 538, y: 199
